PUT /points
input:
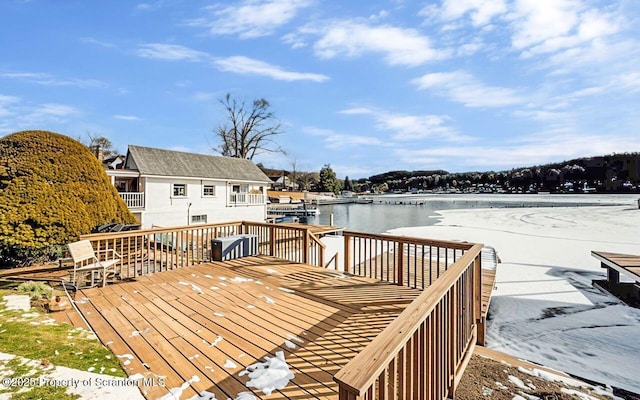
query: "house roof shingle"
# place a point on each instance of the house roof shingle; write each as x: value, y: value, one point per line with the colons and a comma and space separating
x: 151, y: 161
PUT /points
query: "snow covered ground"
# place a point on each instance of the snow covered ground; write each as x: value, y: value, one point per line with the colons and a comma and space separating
x: 544, y: 308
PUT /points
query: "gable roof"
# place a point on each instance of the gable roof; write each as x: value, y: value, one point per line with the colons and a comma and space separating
x: 150, y: 161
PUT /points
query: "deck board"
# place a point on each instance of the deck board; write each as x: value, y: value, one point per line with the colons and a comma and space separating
x: 172, y: 322
x: 488, y: 282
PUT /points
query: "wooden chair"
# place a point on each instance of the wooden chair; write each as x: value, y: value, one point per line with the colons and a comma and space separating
x: 85, y: 261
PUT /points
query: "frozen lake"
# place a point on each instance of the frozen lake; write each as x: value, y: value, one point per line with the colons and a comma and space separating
x: 544, y: 308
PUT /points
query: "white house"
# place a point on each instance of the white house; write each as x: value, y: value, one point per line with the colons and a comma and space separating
x: 171, y: 188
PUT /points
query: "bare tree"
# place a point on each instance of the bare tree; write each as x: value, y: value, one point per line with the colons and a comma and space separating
x: 95, y: 142
x: 250, y: 129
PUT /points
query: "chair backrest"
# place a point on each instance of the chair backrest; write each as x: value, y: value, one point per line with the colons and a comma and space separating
x: 81, y: 251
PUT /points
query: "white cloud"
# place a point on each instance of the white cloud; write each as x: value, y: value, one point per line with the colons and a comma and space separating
x: 171, y: 52
x: 468, y: 49
x: 411, y: 127
x: 629, y: 82
x: 532, y: 150
x: 536, y: 28
x: 236, y: 64
x: 598, y: 59
x: 45, y: 79
x: 143, y: 6
x: 126, y: 117
x: 150, y: 5
x: 54, y: 110
x: 6, y: 102
x: 548, y: 26
x: 335, y: 140
x: 97, y: 42
x: 536, y: 21
x: 252, y: 18
x: 351, y: 38
x: 18, y: 115
x: 480, y: 12
x: 462, y: 87
x: 205, y: 96
x: 250, y: 66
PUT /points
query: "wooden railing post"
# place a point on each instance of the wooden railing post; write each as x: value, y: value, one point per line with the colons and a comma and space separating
x: 400, y: 264
x: 452, y: 333
x: 320, y: 253
x: 347, y: 252
x: 305, y: 247
x: 272, y: 241
x: 477, y: 283
x: 477, y: 301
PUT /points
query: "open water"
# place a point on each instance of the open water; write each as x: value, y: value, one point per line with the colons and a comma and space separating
x: 396, y: 211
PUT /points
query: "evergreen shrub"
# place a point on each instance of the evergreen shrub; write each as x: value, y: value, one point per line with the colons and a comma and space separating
x: 52, y: 190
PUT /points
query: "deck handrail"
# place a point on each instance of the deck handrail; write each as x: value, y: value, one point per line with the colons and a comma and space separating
x: 157, y: 229
x: 289, y: 242
x: 402, y: 260
x: 414, y: 240
x: 422, y: 353
x: 158, y: 249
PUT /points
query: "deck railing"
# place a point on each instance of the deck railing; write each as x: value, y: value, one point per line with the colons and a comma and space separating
x: 405, y: 261
x: 133, y: 199
x: 423, y: 352
x: 160, y: 249
x: 292, y: 243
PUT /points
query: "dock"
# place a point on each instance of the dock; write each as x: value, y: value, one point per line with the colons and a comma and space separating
x: 296, y: 210
x: 617, y: 264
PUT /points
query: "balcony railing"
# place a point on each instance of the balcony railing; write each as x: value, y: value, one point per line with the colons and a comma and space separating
x: 133, y: 199
x: 246, y: 199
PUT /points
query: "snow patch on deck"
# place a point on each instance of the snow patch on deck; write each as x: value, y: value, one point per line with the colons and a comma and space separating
x: 273, y: 374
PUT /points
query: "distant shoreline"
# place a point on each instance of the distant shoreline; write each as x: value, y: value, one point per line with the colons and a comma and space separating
x: 407, y: 210
x: 596, y: 198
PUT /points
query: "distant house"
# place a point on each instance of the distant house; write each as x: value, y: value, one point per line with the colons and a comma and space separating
x: 172, y: 188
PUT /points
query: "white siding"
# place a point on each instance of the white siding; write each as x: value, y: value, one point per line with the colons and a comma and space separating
x: 163, y: 209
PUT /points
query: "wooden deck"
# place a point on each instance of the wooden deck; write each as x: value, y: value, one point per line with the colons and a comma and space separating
x: 214, y: 320
x: 626, y: 264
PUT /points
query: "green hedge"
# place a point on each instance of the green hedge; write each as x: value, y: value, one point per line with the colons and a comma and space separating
x: 52, y: 190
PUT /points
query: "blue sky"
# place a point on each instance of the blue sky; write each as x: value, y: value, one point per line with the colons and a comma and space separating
x: 365, y: 86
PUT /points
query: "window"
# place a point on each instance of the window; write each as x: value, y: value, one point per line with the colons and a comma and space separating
x: 179, y: 190
x: 195, y: 219
x: 208, y: 191
x: 240, y: 188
